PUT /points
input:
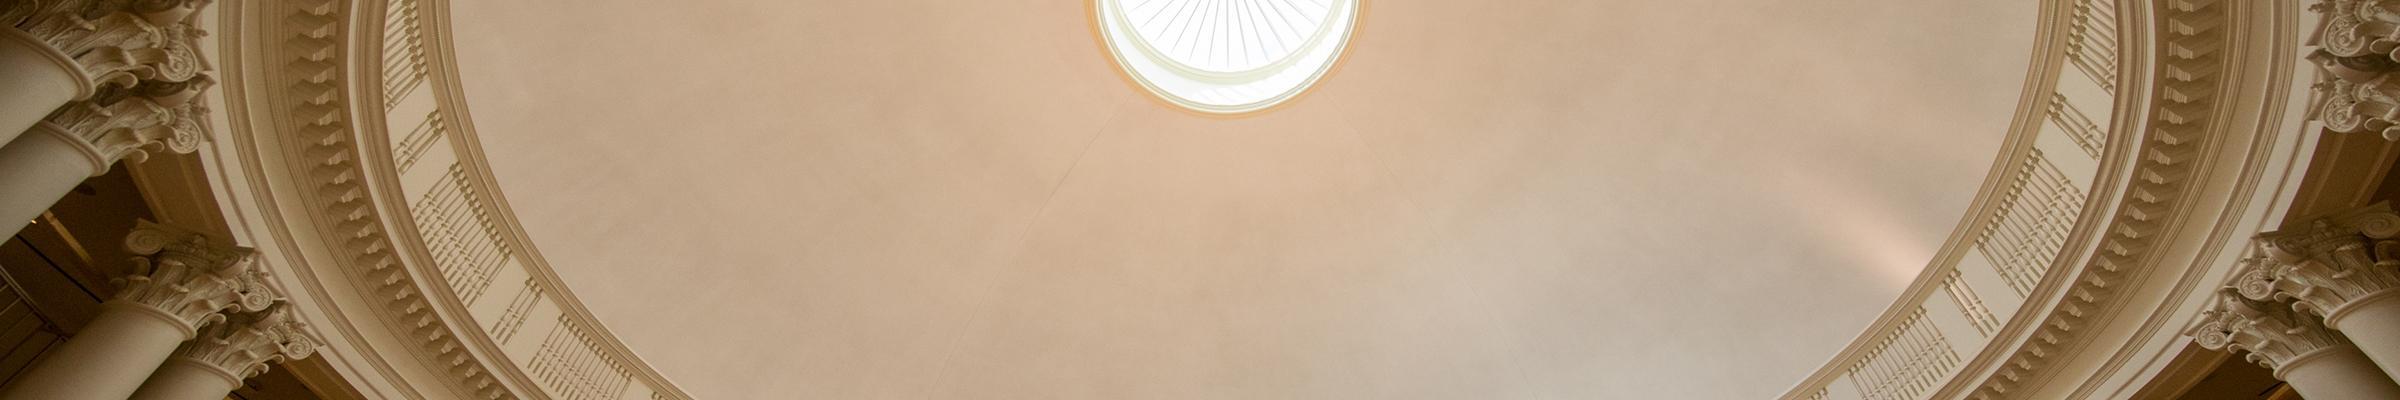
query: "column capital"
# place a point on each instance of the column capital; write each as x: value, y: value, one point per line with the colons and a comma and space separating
x: 189, y: 278
x: 116, y: 42
x: 245, y: 343
x: 2358, y: 28
x: 2273, y: 333
x: 2329, y: 263
x: 126, y: 123
x: 2357, y: 49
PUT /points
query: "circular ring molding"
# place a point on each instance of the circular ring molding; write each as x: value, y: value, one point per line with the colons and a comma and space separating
x: 1226, y: 56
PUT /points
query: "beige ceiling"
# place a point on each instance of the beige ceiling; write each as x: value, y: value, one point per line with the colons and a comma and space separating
x: 944, y: 199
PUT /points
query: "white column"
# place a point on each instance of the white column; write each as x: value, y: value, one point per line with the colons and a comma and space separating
x: 2337, y: 373
x: 37, y: 79
x: 83, y: 139
x: 56, y: 51
x: 214, y: 365
x: 2374, y: 324
x: 2344, y: 267
x: 2317, y: 362
x: 38, y: 169
x: 183, y: 281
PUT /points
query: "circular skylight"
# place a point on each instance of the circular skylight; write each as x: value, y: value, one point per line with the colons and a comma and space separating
x: 1226, y: 56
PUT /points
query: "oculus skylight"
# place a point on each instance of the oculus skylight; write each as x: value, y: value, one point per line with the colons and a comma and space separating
x: 1226, y: 56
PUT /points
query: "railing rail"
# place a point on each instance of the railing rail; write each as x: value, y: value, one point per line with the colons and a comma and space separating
x: 466, y: 232
x: 2020, y: 229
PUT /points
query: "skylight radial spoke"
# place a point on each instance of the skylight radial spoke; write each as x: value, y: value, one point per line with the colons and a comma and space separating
x: 1226, y: 56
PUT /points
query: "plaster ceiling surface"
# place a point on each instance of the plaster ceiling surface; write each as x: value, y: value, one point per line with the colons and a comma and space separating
x: 939, y: 199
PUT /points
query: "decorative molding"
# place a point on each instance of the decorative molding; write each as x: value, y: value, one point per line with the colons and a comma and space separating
x: 189, y: 276
x: 414, y: 145
x: 2088, y: 135
x: 573, y: 366
x: 447, y: 91
x: 403, y: 50
x: 2050, y: 64
x: 2176, y: 173
x: 2329, y: 263
x: 2037, y: 212
x: 2092, y: 41
x: 245, y: 343
x: 2272, y: 332
x: 519, y: 309
x: 1905, y: 365
x: 320, y: 101
x: 309, y: 100
x: 1978, y: 315
x: 2359, y: 48
x: 117, y: 42
x: 2189, y: 76
x: 124, y: 123
x: 458, y: 232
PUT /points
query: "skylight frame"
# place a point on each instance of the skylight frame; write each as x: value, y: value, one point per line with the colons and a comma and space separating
x: 1208, y: 86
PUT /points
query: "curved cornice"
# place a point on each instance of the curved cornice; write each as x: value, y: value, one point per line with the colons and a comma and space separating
x: 296, y: 144
x: 2201, y: 116
x: 307, y: 169
x: 454, y: 100
x: 2041, y: 79
x: 2151, y: 212
x: 2230, y: 79
x: 2188, y: 140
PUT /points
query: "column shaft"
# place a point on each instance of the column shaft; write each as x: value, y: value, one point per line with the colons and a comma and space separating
x: 35, y: 171
x: 107, y: 361
x: 34, y: 80
x: 2374, y: 324
x: 184, y: 379
x: 2338, y: 373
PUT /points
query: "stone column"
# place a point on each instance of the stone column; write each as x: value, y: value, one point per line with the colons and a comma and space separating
x: 214, y: 365
x: 182, y: 281
x: 56, y: 51
x: 85, y: 138
x: 2344, y: 268
x: 2318, y: 363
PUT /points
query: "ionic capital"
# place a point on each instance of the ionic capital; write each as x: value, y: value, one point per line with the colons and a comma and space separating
x: 189, y: 278
x: 116, y: 42
x: 2273, y: 333
x: 243, y: 345
x: 125, y: 123
x: 2332, y: 262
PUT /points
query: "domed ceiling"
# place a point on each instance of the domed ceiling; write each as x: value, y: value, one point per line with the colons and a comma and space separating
x: 966, y: 199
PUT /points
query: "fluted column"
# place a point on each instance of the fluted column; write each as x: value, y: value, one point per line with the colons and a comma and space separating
x: 86, y: 137
x: 2344, y: 268
x: 2317, y: 362
x: 214, y: 365
x: 182, y: 281
x: 56, y: 51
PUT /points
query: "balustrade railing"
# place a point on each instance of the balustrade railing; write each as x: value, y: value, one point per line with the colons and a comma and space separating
x: 2018, y: 239
x: 572, y: 364
x: 1971, y: 304
x: 466, y: 233
x: 1906, y: 363
x: 2036, y: 211
x: 403, y: 51
x: 2092, y: 40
